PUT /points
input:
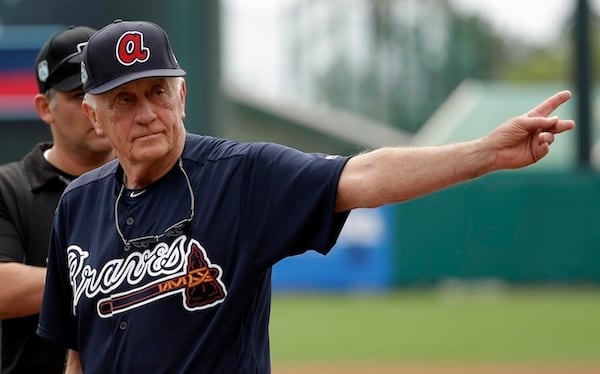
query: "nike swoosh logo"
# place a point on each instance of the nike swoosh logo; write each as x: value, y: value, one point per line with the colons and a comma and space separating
x: 137, y: 193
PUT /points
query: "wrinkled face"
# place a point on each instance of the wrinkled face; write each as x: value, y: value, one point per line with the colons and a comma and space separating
x: 71, y: 129
x: 143, y: 119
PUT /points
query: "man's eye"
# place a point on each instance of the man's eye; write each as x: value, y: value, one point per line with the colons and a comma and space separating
x: 124, y: 100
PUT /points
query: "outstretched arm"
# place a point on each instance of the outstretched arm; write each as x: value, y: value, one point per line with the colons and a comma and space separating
x: 390, y: 175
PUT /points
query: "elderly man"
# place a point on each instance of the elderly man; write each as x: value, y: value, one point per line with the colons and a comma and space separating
x: 161, y: 260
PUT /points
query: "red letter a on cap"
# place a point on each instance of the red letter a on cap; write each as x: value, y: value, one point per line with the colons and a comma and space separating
x: 130, y: 48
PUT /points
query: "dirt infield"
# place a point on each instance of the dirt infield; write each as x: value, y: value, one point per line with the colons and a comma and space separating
x: 455, y: 369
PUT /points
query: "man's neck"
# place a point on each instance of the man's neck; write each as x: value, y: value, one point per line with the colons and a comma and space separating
x: 76, y: 164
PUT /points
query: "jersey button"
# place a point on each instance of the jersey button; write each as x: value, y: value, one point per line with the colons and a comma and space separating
x: 130, y: 221
x: 123, y: 325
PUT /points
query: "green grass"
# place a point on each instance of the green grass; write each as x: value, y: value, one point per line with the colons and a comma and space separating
x: 511, y: 326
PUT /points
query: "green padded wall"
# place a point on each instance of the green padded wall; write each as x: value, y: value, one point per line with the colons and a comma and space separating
x: 512, y: 226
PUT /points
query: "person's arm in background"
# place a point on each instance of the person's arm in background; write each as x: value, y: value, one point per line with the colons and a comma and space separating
x: 21, y: 289
x: 391, y: 175
x: 21, y: 285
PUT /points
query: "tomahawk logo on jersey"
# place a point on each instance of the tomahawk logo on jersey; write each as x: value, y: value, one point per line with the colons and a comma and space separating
x: 179, y: 268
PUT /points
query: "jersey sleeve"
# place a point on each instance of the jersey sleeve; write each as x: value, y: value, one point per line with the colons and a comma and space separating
x: 290, y: 200
x: 57, y: 320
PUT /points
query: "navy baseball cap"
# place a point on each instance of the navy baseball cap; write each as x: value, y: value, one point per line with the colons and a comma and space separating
x: 124, y: 51
x: 58, y: 62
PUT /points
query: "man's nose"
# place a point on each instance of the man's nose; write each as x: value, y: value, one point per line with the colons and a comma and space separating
x: 145, y: 111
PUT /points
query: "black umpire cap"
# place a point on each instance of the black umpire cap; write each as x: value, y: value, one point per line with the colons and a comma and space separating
x: 124, y: 51
x: 58, y: 64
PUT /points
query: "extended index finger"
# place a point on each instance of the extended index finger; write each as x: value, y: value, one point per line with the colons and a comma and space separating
x: 550, y: 104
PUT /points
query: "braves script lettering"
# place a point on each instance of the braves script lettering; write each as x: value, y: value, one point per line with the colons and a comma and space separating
x: 130, y: 48
x: 181, y: 267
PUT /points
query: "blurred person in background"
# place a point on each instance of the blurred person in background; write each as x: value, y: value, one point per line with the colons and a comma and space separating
x: 29, y: 192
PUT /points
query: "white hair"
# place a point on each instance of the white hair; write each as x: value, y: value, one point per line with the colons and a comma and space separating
x: 91, y: 100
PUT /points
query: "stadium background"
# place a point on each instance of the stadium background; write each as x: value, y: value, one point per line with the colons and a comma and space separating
x: 504, y: 269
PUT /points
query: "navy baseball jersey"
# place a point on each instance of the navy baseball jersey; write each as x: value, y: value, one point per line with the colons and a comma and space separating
x: 176, y: 277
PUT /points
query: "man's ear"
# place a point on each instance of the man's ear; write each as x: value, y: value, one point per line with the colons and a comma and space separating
x: 92, y: 117
x: 182, y: 92
x: 42, y: 107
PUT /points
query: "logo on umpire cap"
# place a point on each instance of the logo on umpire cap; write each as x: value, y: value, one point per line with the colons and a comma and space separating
x: 42, y: 71
x: 130, y: 48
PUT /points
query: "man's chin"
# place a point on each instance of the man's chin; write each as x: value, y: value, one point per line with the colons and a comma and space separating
x: 151, y: 151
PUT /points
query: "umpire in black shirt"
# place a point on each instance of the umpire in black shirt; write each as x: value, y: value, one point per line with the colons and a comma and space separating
x: 29, y: 193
